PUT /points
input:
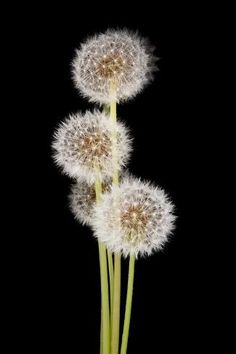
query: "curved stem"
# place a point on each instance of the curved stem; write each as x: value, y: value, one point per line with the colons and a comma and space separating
x: 105, y: 325
x: 128, y: 306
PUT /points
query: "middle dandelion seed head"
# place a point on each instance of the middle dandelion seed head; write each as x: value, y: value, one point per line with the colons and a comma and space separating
x: 83, y: 146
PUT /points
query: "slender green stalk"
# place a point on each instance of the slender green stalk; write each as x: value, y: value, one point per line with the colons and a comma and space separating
x: 113, y: 117
x: 128, y: 306
x: 116, y: 306
x: 117, y: 261
x: 105, y: 300
x: 105, y: 325
x: 101, y: 334
x: 106, y: 110
x: 111, y: 281
x: 98, y: 192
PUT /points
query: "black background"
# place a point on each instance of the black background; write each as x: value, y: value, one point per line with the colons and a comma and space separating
x: 177, y: 294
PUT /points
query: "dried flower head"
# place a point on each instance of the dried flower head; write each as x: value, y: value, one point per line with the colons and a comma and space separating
x: 83, y: 146
x: 134, y: 218
x: 114, y: 65
x: 82, y: 198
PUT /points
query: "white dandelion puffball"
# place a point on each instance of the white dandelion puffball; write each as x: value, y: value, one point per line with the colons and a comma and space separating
x: 83, y: 199
x: 135, y: 218
x: 83, y: 146
x: 114, y: 65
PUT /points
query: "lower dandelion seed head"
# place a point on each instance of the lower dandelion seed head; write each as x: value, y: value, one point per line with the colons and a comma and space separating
x: 83, y: 146
x: 115, y: 65
x: 139, y: 224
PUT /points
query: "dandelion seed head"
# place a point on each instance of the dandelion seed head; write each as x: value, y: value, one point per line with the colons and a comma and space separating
x: 141, y: 221
x: 83, y: 146
x: 82, y: 198
x: 114, y: 65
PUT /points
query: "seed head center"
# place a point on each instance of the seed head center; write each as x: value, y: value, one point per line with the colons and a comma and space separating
x: 134, y: 220
x: 94, y: 145
x: 111, y: 66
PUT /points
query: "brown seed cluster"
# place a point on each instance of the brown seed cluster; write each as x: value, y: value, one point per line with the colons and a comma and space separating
x: 139, y: 216
x: 91, y: 147
x: 112, y: 65
x: 134, y: 220
x: 107, y: 66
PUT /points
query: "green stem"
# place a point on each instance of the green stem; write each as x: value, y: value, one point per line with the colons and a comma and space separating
x: 116, y: 306
x: 113, y: 117
x: 105, y: 325
x: 128, y: 307
x: 106, y: 109
x: 111, y: 281
x: 101, y: 334
x: 117, y: 261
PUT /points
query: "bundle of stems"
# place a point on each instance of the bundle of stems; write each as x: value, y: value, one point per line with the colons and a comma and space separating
x: 110, y: 274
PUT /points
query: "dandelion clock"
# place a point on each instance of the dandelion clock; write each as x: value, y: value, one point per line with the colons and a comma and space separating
x: 115, y: 65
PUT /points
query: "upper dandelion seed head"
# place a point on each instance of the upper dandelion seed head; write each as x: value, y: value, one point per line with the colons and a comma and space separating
x: 114, y: 65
